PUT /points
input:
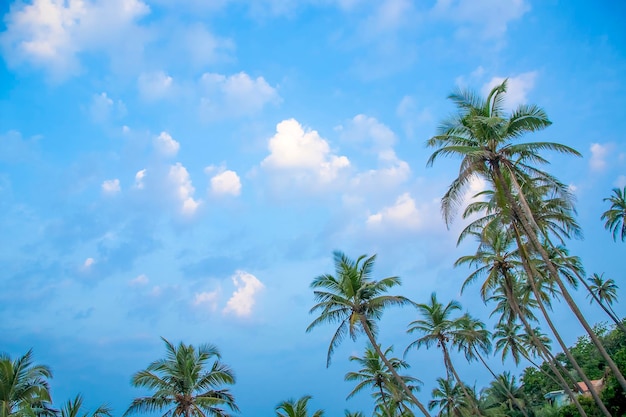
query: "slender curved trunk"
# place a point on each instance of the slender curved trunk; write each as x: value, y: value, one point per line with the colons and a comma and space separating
x: 508, y: 392
x: 531, y: 272
x: 395, y: 374
x: 526, y: 219
x: 448, y: 362
x: 543, y: 349
x: 607, y: 308
x: 382, y: 395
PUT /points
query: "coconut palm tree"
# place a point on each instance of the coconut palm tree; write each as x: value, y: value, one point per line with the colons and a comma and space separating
x: 486, y: 138
x: 297, y: 408
x: 605, y: 291
x: 448, y: 398
x: 504, y: 390
x: 374, y: 375
x: 74, y: 408
x: 355, y: 300
x: 615, y: 216
x: 437, y: 327
x: 23, y: 385
x: 187, y: 383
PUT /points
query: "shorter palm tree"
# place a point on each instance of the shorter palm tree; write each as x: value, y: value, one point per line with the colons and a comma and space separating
x: 23, y: 385
x: 74, y: 408
x: 187, y: 383
x: 296, y: 408
x: 615, y: 216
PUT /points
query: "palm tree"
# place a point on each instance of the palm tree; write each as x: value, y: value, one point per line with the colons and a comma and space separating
x: 616, y: 215
x: 486, y: 138
x: 375, y: 375
x: 504, y: 390
x: 299, y: 408
x: 605, y: 291
x: 187, y: 383
x: 438, y: 328
x: 22, y: 385
x: 74, y: 408
x: 355, y: 301
x: 448, y: 398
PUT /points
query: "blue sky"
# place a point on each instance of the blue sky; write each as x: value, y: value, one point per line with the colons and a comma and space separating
x: 185, y: 169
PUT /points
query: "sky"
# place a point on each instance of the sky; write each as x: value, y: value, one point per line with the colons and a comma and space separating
x: 185, y: 169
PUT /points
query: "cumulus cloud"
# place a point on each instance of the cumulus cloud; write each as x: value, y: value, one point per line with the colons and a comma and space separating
x: 139, y: 176
x: 139, y: 280
x: 166, y: 145
x: 155, y: 85
x: 180, y: 180
x: 234, y: 95
x: 206, y: 299
x: 303, y: 153
x: 487, y: 18
x: 50, y: 34
x: 224, y: 182
x: 102, y: 108
x: 402, y: 214
x: 243, y: 299
x: 111, y: 187
x: 599, y: 153
x: 518, y: 88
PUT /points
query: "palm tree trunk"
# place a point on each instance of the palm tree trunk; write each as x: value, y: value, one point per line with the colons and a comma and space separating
x: 531, y: 272
x: 543, y: 349
x: 448, y: 362
x: 397, y: 377
x: 508, y: 393
x: 382, y: 395
x: 526, y: 219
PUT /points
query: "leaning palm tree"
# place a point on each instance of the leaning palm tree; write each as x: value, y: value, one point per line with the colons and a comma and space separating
x: 437, y: 327
x: 355, y: 300
x: 605, y: 291
x: 23, y: 385
x: 374, y: 375
x: 187, y: 383
x: 616, y: 215
x: 487, y: 140
x: 296, y: 408
x: 74, y: 408
x: 448, y: 398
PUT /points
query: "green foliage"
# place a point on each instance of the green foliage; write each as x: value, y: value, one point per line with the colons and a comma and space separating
x: 588, y: 405
x: 613, y: 394
x: 297, y: 408
x: 23, y: 385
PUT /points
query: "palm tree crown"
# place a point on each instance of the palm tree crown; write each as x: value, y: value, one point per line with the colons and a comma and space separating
x: 22, y: 384
x: 186, y: 383
x: 615, y: 216
x: 299, y: 408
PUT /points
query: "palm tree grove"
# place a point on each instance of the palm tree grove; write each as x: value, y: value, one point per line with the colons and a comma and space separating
x: 517, y: 220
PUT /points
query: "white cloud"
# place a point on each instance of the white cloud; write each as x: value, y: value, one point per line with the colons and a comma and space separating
x: 207, y: 299
x: 88, y: 263
x: 402, y: 214
x: 489, y: 18
x: 102, y: 107
x: 225, y: 182
x: 139, y: 176
x: 599, y: 153
x: 518, y: 88
x: 293, y: 149
x: 237, y: 94
x: 180, y: 180
x: 620, y: 182
x: 111, y: 187
x: 140, y: 280
x: 155, y: 85
x: 166, y: 145
x: 52, y: 33
x: 243, y: 299
x: 362, y: 128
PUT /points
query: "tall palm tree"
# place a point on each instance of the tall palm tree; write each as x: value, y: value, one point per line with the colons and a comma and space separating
x: 297, y: 408
x: 605, y: 291
x: 186, y: 383
x: 74, y: 408
x: 22, y: 384
x: 487, y: 141
x: 504, y: 390
x: 374, y: 375
x: 448, y: 398
x: 355, y: 300
x: 615, y: 216
x: 437, y: 327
